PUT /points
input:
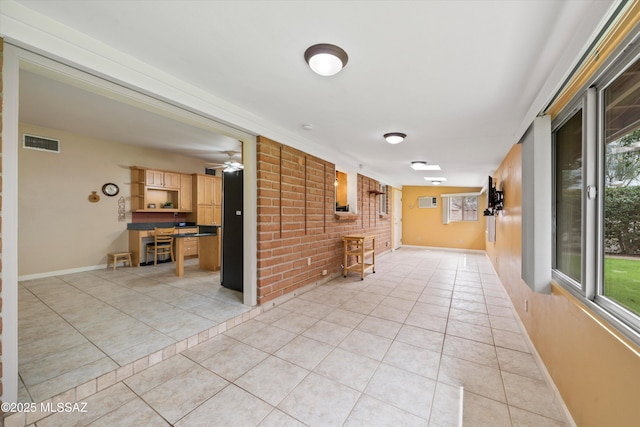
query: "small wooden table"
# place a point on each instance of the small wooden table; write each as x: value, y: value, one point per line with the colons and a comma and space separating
x: 207, y: 251
x: 361, y: 247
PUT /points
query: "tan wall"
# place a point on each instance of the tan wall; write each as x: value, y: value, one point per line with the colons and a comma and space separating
x: 296, y: 219
x: 424, y: 227
x: 59, y: 228
x: 596, y: 372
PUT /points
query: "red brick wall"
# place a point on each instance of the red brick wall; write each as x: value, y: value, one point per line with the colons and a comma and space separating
x: 296, y: 219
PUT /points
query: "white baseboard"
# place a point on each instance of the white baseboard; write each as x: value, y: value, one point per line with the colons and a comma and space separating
x: 435, y: 248
x: 61, y: 272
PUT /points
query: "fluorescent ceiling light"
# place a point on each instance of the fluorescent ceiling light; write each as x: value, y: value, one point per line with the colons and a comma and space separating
x: 435, y: 178
x: 423, y: 166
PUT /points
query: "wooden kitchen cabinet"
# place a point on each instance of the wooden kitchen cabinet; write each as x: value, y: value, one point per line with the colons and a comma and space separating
x: 171, y: 180
x: 154, y: 178
x: 151, y: 189
x: 207, y: 200
x: 186, y: 198
x: 207, y: 203
x: 190, y: 243
x: 163, y: 179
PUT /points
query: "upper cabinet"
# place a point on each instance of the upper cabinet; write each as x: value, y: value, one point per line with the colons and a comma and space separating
x: 207, y: 200
x: 185, y: 193
x: 155, y: 190
x: 162, y: 179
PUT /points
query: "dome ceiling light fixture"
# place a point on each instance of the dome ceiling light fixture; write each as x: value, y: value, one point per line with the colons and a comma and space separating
x: 421, y: 165
x: 395, y: 137
x: 435, y: 180
x: 326, y: 59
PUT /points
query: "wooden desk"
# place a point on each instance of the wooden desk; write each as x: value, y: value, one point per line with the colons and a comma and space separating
x: 208, y: 258
x: 137, y: 246
x: 359, y: 247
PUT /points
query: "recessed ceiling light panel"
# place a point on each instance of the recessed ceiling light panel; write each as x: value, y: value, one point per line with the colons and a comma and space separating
x: 435, y: 178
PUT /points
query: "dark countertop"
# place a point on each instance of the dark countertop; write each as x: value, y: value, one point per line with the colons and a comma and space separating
x: 152, y: 225
x: 208, y: 229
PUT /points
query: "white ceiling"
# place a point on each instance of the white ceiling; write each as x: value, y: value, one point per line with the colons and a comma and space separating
x: 463, y: 79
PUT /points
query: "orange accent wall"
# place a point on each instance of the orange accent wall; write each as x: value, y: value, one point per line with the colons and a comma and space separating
x: 595, y: 369
x: 424, y: 227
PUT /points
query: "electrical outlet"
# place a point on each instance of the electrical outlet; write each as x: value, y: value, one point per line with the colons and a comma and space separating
x: 309, y: 261
x: 324, y: 272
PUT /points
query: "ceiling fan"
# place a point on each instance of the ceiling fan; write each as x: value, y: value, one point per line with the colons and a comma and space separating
x: 230, y: 165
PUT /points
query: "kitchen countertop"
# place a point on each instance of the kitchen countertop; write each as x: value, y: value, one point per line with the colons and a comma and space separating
x: 152, y: 225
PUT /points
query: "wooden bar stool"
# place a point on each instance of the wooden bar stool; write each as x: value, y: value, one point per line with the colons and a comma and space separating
x: 125, y: 257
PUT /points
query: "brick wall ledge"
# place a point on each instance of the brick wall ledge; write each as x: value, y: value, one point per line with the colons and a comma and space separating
x: 346, y: 216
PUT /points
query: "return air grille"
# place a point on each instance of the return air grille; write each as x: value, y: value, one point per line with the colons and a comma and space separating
x: 40, y: 143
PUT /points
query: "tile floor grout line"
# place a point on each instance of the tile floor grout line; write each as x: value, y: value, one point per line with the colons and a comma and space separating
x: 397, y: 283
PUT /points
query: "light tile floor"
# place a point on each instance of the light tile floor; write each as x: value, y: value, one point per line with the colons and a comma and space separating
x: 430, y: 339
x: 76, y: 327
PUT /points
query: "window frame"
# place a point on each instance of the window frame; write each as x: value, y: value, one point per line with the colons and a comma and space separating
x: 562, y: 278
x: 447, y: 205
x: 384, y: 190
x: 616, y: 70
x: 591, y: 291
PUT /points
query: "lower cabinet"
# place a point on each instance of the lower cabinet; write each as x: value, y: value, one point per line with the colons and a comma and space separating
x: 190, y: 243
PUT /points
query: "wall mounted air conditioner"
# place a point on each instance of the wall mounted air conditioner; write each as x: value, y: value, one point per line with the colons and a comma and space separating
x: 427, y: 202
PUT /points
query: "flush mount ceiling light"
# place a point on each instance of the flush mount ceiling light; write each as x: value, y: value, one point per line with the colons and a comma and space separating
x: 435, y: 180
x: 395, y: 137
x: 326, y: 59
x: 420, y: 165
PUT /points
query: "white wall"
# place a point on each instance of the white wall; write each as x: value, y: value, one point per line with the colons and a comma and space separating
x: 58, y: 228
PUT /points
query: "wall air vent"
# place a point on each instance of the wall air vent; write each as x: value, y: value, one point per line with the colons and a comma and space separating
x: 41, y: 143
x: 427, y: 202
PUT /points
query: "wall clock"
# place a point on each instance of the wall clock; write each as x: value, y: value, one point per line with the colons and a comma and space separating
x: 110, y: 189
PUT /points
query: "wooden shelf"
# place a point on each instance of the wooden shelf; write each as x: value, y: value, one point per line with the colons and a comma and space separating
x: 346, y: 216
x: 376, y: 192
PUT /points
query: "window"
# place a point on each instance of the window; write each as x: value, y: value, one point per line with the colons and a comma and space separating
x: 597, y: 195
x: 463, y: 208
x: 383, y: 199
x: 620, y: 257
x: 342, y: 204
x: 568, y: 197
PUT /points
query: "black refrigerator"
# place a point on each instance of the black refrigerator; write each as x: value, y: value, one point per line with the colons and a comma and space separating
x: 232, y: 210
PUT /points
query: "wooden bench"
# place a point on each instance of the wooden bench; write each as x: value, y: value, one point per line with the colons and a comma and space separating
x: 113, y: 258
